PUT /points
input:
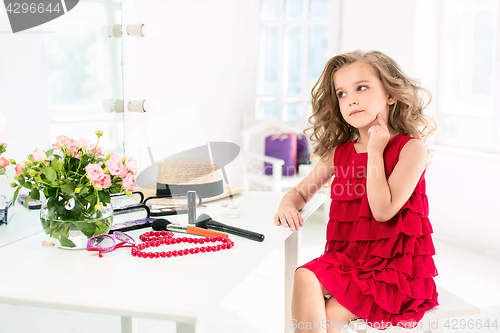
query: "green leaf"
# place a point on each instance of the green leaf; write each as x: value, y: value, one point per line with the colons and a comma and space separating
x: 50, y: 173
x: 16, y: 193
x: 91, y: 198
x: 88, y: 229
x: 58, y: 229
x: 104, y: 196
x: 35, y: 194
x: 50, y: 192
x: 103, y: 226
x: 56, y: 164
x: 66, y: 242
x: 49, y: 152
x: 68, y: 187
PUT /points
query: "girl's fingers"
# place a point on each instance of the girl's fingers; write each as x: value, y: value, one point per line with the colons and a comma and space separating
x: 277, y: 220
x: 283, y: 220
x: 292, y: 220
x: 299, y: 219
x: 289, y: 220
x: 382, y: 122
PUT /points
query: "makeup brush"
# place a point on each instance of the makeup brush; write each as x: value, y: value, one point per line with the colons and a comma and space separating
x: 162, y: 224
x: 205, y: 221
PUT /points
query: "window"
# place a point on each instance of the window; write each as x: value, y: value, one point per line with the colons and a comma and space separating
x: 293, y: 51
x: 469, y: 107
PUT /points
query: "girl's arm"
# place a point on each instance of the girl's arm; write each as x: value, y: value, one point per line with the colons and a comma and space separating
x: 387, y: 196
x: 294, y: 200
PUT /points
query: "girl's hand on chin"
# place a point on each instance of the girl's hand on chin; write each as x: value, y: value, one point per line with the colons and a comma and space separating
x: 378, y: 136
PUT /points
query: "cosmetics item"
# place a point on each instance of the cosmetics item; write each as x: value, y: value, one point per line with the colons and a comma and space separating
x: 191, y: 203
x: 32, y: 203
x: 4, y: 209
x: 131, y: 225
x: 174, y: 209
x: 131, y: 208
x: 162, y: 224
x: 170, y: 210
x: 121, y: 194
x: 206, y: 222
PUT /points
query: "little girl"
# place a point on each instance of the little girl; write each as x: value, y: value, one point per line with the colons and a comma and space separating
x: 368, y: 126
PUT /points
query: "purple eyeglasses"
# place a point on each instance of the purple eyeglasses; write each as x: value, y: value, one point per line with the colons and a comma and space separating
x: 107, y: 243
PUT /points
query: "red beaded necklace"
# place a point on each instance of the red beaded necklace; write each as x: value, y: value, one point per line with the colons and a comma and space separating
x: 157, y: 238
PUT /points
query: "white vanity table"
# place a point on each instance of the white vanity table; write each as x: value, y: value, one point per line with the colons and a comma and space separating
x: 182, y: 289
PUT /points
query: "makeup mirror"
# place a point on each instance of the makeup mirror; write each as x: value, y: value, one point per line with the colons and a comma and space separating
x: 61, y: 78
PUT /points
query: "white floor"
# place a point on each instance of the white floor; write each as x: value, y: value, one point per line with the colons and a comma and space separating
x: 256, y: 305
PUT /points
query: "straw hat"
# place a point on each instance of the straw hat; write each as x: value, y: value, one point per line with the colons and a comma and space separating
x: 180, y: 175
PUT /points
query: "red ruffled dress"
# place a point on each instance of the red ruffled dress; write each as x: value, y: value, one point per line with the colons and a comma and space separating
x: 380, y: 271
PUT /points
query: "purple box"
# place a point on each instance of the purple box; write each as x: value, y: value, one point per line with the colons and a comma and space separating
x: 302, y: 150
x: 284, y: 147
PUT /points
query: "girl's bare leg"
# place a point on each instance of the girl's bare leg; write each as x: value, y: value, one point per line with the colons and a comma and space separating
x: 308, y: 303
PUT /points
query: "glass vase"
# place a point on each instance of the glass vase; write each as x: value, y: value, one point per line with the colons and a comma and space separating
x: 69, y: 222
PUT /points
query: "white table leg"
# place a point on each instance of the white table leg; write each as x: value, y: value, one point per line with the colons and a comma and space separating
x: 190, y: 328
x: 129, y: 325
x: 291, y: 262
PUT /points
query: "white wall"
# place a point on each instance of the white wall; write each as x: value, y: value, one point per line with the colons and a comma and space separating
x: 387, y: 26
x: 204, y: 56
x: 464, y: 199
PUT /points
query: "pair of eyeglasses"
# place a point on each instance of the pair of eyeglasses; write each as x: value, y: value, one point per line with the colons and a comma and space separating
x: 108, y: 243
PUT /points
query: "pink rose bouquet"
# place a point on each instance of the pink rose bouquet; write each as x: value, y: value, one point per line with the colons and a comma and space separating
x: 76, y: 178
x: 3, y: 161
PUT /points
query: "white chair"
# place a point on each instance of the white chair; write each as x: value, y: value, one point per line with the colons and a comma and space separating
x: 253, y: 148
x: 434, y: 321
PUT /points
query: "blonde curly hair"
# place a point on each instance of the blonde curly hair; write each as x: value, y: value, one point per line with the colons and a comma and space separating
x: 405, y: 116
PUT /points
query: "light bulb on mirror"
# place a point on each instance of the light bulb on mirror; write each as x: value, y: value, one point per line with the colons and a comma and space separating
x: 142, y: 105
x: 149, y: 30
x: 111, y: 31
x: 152, y: 106
x: 113, y: 105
